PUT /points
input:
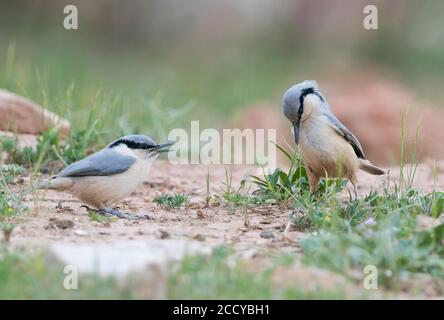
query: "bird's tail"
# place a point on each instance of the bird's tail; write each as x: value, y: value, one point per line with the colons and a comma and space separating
x: 55, y: 183
x: 369, y: 168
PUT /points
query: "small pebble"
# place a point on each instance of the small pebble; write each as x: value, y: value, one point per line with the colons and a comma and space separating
x: 267, y: 235
x: 80, y: 232
x: 199, y: 237
x: 164, y: 234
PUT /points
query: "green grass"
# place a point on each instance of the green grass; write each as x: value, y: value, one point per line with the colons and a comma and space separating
x: 380, y: 228
x: 213, y: 278
x: 25, y: 276
x: 94, y: 216
x: 28, y: 276
x: 281, y: 186
x: 171, y: 201
x: 11, y: 203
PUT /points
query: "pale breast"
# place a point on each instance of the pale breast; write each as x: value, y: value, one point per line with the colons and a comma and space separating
x: 322, y: 149
x: 106, y: 190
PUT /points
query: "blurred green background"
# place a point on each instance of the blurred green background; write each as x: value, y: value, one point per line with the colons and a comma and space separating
x: 153, y: 65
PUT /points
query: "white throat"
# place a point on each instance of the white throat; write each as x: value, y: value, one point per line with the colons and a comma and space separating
x: 312, y: 106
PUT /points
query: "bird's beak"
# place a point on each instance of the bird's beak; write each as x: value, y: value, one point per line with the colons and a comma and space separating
x: 162, y: 147
x: 297, y: 130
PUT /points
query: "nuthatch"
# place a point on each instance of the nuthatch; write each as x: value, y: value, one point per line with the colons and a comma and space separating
x: 110, y: 174
x: 327, y: 147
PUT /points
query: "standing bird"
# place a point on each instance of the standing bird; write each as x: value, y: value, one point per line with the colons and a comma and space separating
x: 110, y: 174
x: 327, y: 147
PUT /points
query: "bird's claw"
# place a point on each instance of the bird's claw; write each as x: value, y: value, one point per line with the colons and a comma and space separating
x: 122, y: 215
x: 142, y: 217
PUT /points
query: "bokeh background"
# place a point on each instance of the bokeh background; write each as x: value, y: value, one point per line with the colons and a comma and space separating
x: 149, y: 66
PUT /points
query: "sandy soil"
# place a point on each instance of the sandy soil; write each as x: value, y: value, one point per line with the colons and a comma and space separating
x: 60, y: 217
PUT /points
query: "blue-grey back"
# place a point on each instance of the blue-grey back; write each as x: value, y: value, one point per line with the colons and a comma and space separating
x: 102, y: 163
x: 343, y: 131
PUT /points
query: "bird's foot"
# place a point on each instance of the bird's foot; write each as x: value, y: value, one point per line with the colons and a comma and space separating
x: 142, y: 216
x: 87, y: 208
x: 122, y: 215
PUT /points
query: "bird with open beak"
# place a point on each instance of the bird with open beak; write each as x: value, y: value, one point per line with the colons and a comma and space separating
x: 109, y: 175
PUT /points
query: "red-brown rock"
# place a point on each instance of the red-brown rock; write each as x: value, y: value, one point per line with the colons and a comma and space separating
x: 22, y: 116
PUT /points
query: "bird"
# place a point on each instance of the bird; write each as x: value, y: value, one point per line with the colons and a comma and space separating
x: 109, y: 175
x: 326, y: 146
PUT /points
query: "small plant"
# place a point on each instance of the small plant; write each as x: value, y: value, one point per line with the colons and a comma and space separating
x: 281, y: 185
x: 238, y: 197
x: 390, y: 242
x: 207, y: 182
x: 168, y: 201
x: 432, y: 203
x: 50, y: 147
x: 29, y: 156
x: 11, y: 203
x: 94, y: 216
x: 11, y: 172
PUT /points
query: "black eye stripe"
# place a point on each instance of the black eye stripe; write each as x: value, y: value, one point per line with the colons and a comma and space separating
x: 132, y: 144
x: 308, y: 91
x: 304, y: 93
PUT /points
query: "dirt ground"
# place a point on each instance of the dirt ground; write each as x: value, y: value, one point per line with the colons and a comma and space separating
x: 60, y: 217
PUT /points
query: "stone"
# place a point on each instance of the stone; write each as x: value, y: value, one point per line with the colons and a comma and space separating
x: 267, y: 235
x: 81, y: 233
x: 60, y: 224
x: 22, y: 116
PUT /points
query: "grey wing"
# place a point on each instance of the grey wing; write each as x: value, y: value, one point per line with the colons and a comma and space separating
x: 103, y: 163
x: 347, y: 135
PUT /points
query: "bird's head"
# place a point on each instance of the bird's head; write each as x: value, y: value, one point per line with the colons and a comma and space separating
x: 293, y: 103
x: 140, y: 145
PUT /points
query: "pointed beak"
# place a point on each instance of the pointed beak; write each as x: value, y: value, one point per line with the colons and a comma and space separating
x: 162, y: 147
x: 297, y: 130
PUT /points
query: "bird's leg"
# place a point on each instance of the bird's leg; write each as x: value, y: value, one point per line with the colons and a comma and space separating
x: 355, y: 190
x: 142, y: 216
x: 313, y: 181
x: 114, y: 213
x: 121, y: 215
x: 87, y: 208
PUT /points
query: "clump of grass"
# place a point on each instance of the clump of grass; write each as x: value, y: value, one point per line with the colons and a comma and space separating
x: 379, y: 229
x: 94, y: 216
x: 171, y: 201
x: 29, y: 156
x: 238, y: 197
x: 391, y: 243
x: 51, y: 147
x: 11, y: 203
x: 24, y: 275
x: 10, y: 172
x: 281, y: 185
x: 213, y: 277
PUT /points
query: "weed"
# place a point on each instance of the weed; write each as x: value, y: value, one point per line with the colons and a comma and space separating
x: 212, y: 277
x: 11, y: 203
x: 50, y: 147
x: 24, y: 275
x: 389, y: 243
x: 281, y: 185
x: 94, y: 216
x: 168, y: 201
x: 207, y: 183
